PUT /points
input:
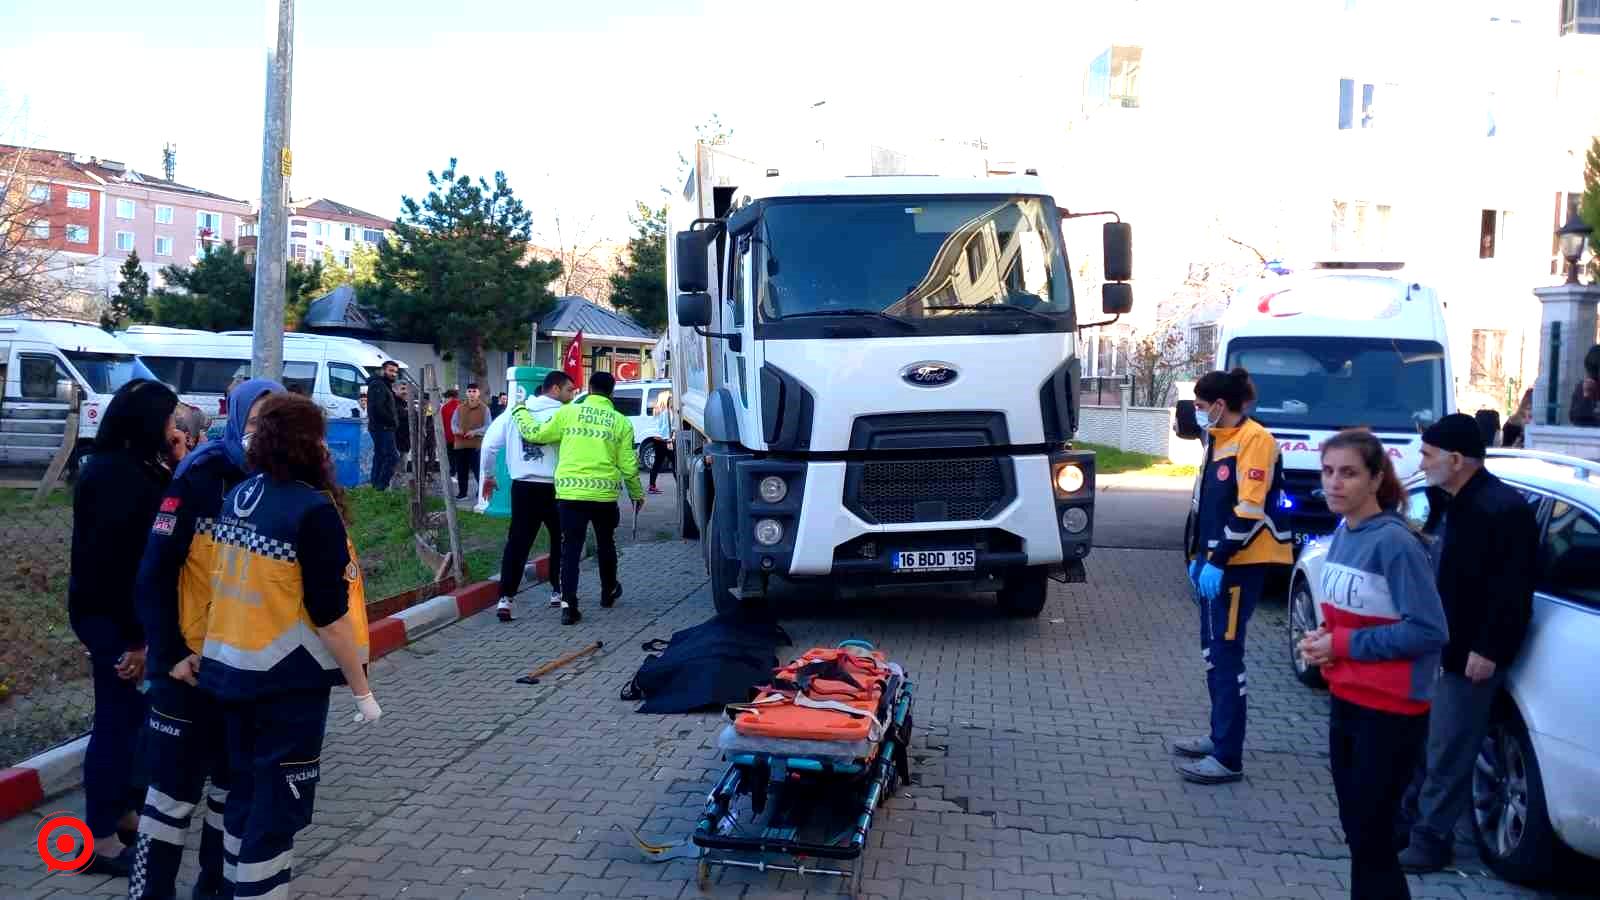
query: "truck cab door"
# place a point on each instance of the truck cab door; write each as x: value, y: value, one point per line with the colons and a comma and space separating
x: 33, y: 421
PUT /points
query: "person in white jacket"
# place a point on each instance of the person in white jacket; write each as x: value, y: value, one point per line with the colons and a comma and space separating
x: 533, y: 490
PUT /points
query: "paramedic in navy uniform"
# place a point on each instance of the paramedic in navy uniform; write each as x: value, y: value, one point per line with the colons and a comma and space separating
x: 1237, y: 542
x: 287, y: 625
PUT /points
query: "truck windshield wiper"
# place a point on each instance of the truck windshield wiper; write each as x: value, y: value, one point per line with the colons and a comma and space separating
x: 852, y: 313
x: 1000, y: 307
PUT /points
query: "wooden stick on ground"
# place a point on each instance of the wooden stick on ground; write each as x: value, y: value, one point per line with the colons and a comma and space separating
x: 551, y: 666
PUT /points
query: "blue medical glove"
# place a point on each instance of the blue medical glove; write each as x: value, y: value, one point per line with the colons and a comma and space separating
x: 1210, y: 582
x: 1194, y: 571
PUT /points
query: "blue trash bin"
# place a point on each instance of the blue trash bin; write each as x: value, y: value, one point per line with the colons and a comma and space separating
x: 344, y: 443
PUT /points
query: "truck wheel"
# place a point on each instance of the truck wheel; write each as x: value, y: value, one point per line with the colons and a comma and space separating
x: 1024, y: 592
x: 724, y: 571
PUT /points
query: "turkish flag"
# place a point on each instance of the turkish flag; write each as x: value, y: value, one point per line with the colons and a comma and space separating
x: 572, y: 362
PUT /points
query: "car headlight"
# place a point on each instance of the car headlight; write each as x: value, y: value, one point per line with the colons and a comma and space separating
x: 773, y: 489
x: 1069, y: 479
x: 769, y: 532
x: 1075, y: 519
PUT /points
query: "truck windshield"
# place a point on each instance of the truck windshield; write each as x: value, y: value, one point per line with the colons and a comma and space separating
x: 106, y: 372
x: 928, y: 261
x: 1336, y: 382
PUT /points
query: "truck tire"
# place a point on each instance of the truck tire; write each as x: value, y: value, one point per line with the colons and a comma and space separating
x: 724, y: 571
x: 1025, y: 592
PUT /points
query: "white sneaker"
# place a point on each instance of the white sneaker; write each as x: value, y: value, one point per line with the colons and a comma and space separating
x: 555, y: 599
x: 503, y: 609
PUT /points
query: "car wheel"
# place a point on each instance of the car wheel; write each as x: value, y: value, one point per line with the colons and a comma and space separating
x: 1302, y: 618
x: 1508, y: 808
x: 647, y: 456
x: 1024, y: 592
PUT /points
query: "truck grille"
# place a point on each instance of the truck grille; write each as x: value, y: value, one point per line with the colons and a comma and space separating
x: 935, y: 490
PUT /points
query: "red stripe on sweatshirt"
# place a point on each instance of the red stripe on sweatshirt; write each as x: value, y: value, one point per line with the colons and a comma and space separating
x: 1383, y: 685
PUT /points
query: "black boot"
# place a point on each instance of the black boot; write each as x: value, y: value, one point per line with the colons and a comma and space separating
x: 570, y: 614
x: 118, y: 866
x: 609, y: 598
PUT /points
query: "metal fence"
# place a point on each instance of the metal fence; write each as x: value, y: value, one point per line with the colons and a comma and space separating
x: 1102, y: 390
x: 45, y: 694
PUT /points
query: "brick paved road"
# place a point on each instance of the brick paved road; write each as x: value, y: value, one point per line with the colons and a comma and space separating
x: 1040, y: 750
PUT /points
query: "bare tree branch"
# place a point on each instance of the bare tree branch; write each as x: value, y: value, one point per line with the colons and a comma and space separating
x: 35, y: 277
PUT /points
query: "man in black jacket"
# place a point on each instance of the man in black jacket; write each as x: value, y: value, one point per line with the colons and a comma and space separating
x: 1486, y: 541
x: 383, y: 418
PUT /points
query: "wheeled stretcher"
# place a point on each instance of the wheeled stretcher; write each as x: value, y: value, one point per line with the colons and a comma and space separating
x: 822, y: 746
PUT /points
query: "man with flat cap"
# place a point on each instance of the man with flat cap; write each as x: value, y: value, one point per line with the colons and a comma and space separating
x: 1485, y: 543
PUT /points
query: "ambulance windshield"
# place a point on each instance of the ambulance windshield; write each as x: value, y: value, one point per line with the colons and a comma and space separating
x: 1328, y: 383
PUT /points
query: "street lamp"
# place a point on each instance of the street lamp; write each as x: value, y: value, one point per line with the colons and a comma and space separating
x: 1573, y: 236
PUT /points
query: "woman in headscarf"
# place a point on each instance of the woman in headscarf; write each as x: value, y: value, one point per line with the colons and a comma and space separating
x: 183, y: 739
x: 118, y: 491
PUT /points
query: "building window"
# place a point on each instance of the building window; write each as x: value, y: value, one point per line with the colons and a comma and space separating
x: 1113, y: 79
x: 372, y: 235
x: 39, y: 193
x: 124, y: 208
x: 247, y: 229
x: 320, y: 229
x: 1580, y: 16
x: 125, y: 241
x: 163, y: 246
x: 347, y: 230
x: 78, y: 199
x: 1493, y: 226
x: 1358, y: 103
x: 163, y: 215
x: 1360, y: 226
x: 1203, y: 341
x: 208, y: 222
x: 40, y: 230
x: 77, y: 234
x: 1488, y: 357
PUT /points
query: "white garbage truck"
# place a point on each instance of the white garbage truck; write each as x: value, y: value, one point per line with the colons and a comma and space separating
x: 876, y: 381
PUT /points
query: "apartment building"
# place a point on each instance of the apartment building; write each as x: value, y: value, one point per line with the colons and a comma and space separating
x: 165, y: 222
x: 1448, y: 135
x: 322, y: 226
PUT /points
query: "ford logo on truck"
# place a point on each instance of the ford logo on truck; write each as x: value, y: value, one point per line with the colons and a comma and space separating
x: 928, y: 374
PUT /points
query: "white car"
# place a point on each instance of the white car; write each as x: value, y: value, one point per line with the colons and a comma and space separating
x: 635, y: 399
x: 1537, y: 782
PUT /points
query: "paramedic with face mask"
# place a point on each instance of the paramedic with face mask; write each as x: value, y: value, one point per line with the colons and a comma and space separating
x: 1238, y: 541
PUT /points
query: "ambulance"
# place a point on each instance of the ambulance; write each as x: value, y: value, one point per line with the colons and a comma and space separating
x: 1344, y: 344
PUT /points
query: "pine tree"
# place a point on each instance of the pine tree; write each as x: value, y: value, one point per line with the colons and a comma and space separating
x: 130, y: 304
x: 457, y: 272
x: 640, y: 289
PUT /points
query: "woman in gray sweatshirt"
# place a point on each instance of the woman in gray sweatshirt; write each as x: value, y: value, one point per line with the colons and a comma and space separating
x: 1383, y: 628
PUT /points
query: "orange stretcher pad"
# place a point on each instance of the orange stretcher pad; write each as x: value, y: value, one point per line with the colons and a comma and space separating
x: 827, y: 694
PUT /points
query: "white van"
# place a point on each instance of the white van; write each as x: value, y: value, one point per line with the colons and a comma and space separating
x: 36, y: 357
x: 636, y: 399
x: 1345, y: 344
x: 201, y: 364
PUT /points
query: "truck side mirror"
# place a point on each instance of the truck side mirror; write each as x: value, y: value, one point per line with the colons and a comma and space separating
x: 1117, y: 238
x: 1116, y: 298
x: 691, y: 261
x: 1184, y: 424
x: 64, y: 388
x: 694, y: 309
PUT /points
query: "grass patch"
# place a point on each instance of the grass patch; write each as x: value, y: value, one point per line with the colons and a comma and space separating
x: 1112, y: 461
x: 381, y: 529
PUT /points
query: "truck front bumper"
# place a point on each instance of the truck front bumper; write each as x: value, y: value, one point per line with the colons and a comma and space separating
x: 821, y: 534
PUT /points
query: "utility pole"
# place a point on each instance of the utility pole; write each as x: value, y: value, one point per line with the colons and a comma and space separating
x: 272, y: 235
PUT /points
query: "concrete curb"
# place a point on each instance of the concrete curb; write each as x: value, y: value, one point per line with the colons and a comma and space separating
x: 60, y: 769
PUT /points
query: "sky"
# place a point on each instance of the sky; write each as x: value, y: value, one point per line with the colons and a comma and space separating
x: 584, y: 104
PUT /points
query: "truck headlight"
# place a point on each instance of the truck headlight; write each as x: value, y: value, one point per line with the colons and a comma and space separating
x: 769, y: 532
x: 1075, y: 519
x: 1069, y: 479
x: 773, y: 489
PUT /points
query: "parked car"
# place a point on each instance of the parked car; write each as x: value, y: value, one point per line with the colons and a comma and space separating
x: 635, y: 399
x: 1537, y: 783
